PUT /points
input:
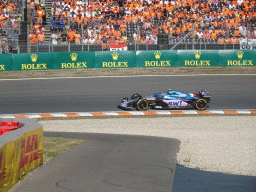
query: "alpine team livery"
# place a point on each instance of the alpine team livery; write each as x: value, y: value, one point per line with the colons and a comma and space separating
x: 171, y: 100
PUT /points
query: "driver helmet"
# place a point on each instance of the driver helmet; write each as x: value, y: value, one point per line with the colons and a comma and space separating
x: 169, y: 91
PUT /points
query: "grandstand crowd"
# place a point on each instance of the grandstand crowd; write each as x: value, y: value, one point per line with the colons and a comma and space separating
x: 136, y: 21
x: 112, y: 21
x: 10, y: 14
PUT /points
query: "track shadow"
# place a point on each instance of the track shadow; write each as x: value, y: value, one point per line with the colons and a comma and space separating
x: 188, y: 179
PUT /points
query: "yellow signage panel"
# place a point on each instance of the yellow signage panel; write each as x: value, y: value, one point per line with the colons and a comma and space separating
x: 20, y: 156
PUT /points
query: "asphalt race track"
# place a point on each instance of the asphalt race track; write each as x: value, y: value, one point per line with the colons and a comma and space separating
x: 104, y: 93
x: 154, y: 169
x: 106, y: 162
x: 123, y: 163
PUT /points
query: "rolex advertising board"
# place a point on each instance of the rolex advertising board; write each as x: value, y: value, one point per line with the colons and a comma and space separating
x: 117, y: 59
x: 74, y: 60
x: 233, y: 58
x: 33, y: 61
x: 127, y: 59
x: 156, y: 58
x: 6, y: 62
x: 197, y: 58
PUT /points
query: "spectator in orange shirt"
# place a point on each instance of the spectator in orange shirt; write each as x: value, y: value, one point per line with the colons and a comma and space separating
x: 32, y: 38
x: 111, y: 40
x: 71, y: 36
x: 214, y: 34
x: 118, y: 41
x: 77, y: 38
x: 221, y: 40
x: 79, y: 20
x: 40, y: 14
x: 237, y: 40
x: 41, y: 38
x: 117, y: 33
x: 97, y: 41
x: 236, y: 32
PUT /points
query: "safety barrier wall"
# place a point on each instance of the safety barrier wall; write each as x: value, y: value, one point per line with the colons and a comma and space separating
x: 127, y: 59
x: 21, y: 150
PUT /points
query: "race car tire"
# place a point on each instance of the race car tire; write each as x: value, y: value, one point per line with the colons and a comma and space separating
x: 200, y: 104
x: 142, y: 104
x: 136, y: 96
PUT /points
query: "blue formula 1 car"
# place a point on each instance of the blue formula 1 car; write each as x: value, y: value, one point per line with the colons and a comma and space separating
x: 171, y: 100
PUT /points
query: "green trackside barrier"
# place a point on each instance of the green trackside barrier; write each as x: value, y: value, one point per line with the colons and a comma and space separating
x: 127, y: 59
x: 6, y: 62
x: 111, y: 59
x: 163, y: 58
x: 237, y: 58
x: 33, y: 61
x: 197, y: 58
x: 74, y: 60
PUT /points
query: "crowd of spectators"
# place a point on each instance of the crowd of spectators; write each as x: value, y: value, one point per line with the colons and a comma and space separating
x: 102, y: 21
x: 10, y: 14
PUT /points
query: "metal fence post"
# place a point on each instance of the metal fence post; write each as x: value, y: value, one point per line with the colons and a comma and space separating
x: 193, y: 34
x: 68, y: 46
x: 247, y: 31
x: 137, y: 36
x: 82, y: 35
x: 28, y: 40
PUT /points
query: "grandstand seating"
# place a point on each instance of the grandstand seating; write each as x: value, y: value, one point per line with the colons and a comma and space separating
x: 11, y: 13
x: 208, y: 24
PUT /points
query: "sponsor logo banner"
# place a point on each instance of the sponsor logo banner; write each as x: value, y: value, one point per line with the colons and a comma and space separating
x: 237, y: 58
x: 117, y: 59
x: 35, y: 61
x: 248, y: 45
x: 74, y: 60
x: 197, y: 58
x: 121, y: 47
x: 162, y: 58
x: 20, y: 156
x: 127, y: 59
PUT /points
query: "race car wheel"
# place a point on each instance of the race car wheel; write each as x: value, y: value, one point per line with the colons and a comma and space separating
x: 142, y: 105
x: 200, y: 104
x: 136, y: 96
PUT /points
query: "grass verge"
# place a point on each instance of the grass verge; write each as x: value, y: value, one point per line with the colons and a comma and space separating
x: 54, y: 146
x: 126, y: 72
